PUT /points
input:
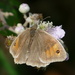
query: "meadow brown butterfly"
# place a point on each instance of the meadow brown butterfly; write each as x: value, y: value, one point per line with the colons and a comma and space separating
x: 37, y: 48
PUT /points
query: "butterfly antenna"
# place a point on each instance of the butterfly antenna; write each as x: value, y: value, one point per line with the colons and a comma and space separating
x: 46, y: 18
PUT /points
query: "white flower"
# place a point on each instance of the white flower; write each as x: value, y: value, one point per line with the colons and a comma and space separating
x: 44, y: 25
x: 24, y: 8
x: 29, y: 20
x: 19, y: 28
x: 56, y: 31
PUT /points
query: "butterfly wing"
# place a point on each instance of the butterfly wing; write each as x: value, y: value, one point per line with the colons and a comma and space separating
x: 18, y: 46
x: 51, y: 49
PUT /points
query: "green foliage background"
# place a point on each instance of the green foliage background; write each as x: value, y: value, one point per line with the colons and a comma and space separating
x: 6, y: 67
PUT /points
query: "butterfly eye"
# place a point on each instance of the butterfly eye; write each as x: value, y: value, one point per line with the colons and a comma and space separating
x: 57, y: 51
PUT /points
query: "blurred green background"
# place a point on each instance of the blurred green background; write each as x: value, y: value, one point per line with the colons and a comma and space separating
x: 61, y: 12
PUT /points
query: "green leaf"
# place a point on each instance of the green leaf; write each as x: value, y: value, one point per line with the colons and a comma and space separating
x: 6, y: 65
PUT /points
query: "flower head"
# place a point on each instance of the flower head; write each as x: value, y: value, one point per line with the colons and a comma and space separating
x: 44, y: 25
x: 24, y: 8
x: 56, y: 31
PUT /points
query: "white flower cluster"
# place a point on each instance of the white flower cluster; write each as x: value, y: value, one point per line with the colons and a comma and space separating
x: 32, y: 19
x: 55, y: 31
x: 44, y: 25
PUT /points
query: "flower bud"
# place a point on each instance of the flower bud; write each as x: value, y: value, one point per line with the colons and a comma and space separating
x: 19, y: 28
x: 24, y: 8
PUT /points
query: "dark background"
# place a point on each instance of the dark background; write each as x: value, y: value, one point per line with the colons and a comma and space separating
x: 62, y: 12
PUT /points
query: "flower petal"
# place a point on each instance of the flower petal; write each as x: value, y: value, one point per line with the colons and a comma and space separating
x: 56, y: 31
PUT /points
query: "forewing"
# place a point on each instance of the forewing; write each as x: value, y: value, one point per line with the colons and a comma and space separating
x: 51, y: 49
x: 20, y: 44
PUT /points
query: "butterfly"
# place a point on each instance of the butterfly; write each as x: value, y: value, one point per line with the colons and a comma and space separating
x: 37, y: 48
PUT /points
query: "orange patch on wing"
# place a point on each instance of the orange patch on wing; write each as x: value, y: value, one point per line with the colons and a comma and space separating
x: 55, y: 47
x: 16, y: 44
x: 51, y: 51
x: 48, y: 53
